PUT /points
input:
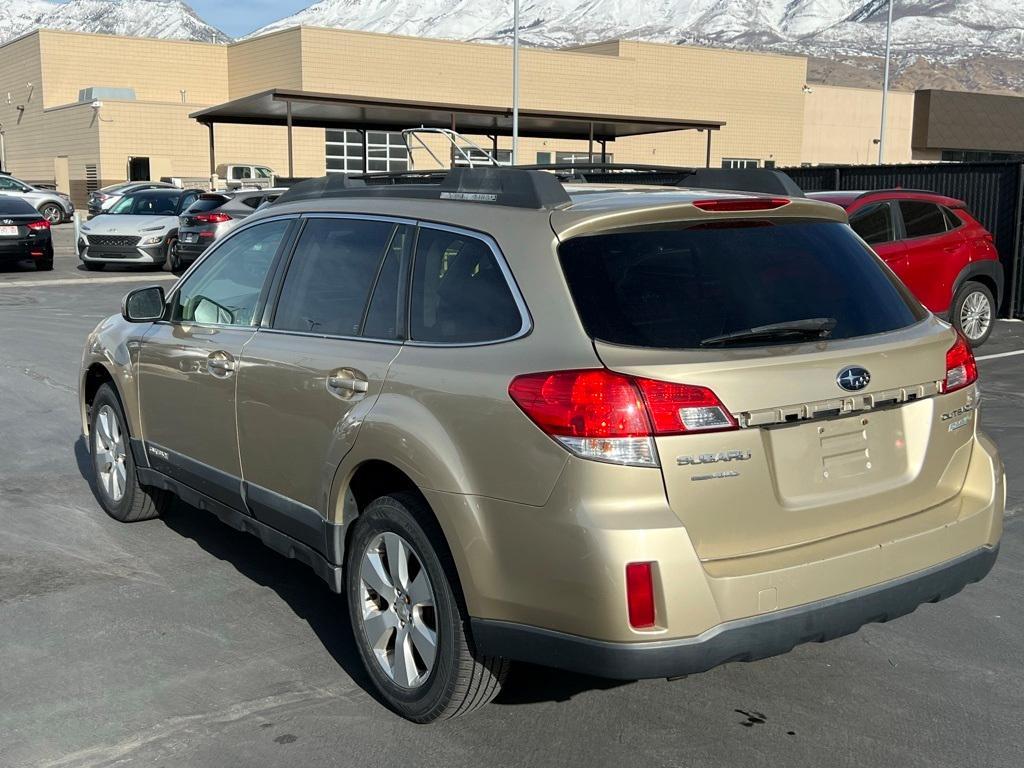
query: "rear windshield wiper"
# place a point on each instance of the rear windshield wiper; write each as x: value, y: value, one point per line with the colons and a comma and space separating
x: 812, y: 328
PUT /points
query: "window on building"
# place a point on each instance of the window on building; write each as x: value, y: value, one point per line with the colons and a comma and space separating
x: 331, y: 274
x: 344, y: 152
x: 459, y: 293
x: 874, y: 224
x: 970, y: 156
x: 481, y: 156
x: 922, y: 219
x: 769, y: 163
x: 543, y: 158
x: 573, y: 158
x: 739, y: 162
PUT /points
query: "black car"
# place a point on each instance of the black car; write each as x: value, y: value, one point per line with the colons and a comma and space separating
x: 24, y: 234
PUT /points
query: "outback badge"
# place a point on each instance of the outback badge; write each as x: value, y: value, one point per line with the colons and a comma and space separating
x: 853, y: 378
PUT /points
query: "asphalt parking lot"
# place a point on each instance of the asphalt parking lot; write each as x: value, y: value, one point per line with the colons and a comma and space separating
x: 181, y: 642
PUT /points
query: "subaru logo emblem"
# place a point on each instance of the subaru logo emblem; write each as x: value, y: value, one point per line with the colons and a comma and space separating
x: 853, y: 378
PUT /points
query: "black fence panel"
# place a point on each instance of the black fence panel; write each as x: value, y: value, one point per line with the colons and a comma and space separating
x: 992, y: 191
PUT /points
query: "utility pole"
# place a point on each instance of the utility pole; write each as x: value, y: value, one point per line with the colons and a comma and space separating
x: 885, y: 88
x: 515, y: 82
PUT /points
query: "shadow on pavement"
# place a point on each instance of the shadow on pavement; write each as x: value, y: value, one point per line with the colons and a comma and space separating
x: 312, y: 601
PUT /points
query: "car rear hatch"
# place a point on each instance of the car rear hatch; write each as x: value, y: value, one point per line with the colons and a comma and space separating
x: 834, y: 421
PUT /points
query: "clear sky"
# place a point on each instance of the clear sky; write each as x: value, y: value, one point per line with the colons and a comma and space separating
x: 238, y: 17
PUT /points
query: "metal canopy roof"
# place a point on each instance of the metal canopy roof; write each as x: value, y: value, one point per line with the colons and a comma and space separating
x: 325, y: 110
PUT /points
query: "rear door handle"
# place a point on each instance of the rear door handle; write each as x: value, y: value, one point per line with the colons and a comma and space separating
x: 347, y: 383
x: 220, y: 364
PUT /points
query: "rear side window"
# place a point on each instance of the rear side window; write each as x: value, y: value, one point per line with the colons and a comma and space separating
x: 459, y: 293
x: 874, y: 224
x: 331, y: 275
x: 674, y: 288
x: 922, y: 219
x: 952, y: 220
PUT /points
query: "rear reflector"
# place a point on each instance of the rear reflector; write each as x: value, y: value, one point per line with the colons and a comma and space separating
x: 742, y: 204
x: 640, y: 595
x: 961, y: 368
x: 38, y: 225
x: 607, y: 416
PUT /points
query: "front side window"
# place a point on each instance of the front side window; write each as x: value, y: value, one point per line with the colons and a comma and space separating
x: 11, y: 185
x: 331, y: 274
x: 922, y: 219
x: 874, y: 224
x: 225, y: 288
x: 263, y: 173
x: 688, y: 287
x: 459, y: 293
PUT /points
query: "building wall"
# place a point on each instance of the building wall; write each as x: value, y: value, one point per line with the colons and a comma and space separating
x: 760, y: 97
x: 262, y: 63
x: 842, y: 124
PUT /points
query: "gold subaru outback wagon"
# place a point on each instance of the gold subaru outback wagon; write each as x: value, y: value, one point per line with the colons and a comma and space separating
x: 630, y: 431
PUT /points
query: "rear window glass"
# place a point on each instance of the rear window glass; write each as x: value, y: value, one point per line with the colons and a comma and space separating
x: 14, y: 206
x: 674, y: 288
x: 204, y: 204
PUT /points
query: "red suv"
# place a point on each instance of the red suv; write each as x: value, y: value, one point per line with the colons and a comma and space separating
x: 936, y: 248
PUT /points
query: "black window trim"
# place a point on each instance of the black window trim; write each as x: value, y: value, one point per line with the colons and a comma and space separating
x: 283, y: 248
x: 959, y: 222
x: 526, y: 326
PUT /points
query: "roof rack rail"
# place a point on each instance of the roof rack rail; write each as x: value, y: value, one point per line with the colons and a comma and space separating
x: 513, y: 187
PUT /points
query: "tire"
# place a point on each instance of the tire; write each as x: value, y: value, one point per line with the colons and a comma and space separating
x: 172, y: 261
x: 113, y: 465
x: 973, y: 312
x: 457, y: 681
x: 94, y: 266
x: 52, y: 212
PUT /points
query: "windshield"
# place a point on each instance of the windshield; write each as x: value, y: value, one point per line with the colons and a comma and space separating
x: 747, y: 283
x: 148, y: 204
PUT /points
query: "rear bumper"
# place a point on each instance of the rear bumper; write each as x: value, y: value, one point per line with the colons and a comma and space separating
x: 741, y: 640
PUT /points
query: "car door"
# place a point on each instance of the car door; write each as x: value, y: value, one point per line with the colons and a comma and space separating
x: 876, y: 224
x: 308, y: 380
x: 935, y: 255
x: 189, y: 362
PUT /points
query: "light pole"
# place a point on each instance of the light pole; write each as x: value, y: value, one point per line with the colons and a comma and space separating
x: 885, y: 88
x: 515, y: 83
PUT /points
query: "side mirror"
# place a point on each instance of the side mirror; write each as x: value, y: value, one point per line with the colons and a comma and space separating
x: 143, y: 305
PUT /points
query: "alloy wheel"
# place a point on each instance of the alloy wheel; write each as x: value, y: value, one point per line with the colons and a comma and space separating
x: 110, y: 454
x: 397, y: 610
x: 52, y: 214
x: 975, y: 315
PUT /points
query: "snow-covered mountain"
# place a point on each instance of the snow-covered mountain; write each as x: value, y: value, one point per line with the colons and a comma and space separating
x: 942, y: 30
x: 166, y: 19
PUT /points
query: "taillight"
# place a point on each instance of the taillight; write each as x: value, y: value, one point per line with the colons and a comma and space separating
x: 38, y: 225
x: 598, y: 414
x: 640, y: 595
x: 733, y: 205
x: 210, y: 218
x: 961, y: 368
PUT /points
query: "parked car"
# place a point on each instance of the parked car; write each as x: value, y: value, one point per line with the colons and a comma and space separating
x: 24, y: 234
x: 140, y: 229
x: 936, y: 247
x: 212, y: 216
x: 55, y: 207
x: 632, y: 432
x: 104, y: 199
x: 243, y: 176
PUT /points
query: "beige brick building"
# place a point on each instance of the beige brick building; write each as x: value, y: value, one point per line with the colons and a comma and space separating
x: 53, y: 132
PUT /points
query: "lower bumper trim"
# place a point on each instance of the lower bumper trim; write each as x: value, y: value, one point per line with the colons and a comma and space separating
x: 748, y: 639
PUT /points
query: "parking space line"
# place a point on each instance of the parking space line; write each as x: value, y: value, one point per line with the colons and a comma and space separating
x: 85, y: 280
x: 1001, y: 354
